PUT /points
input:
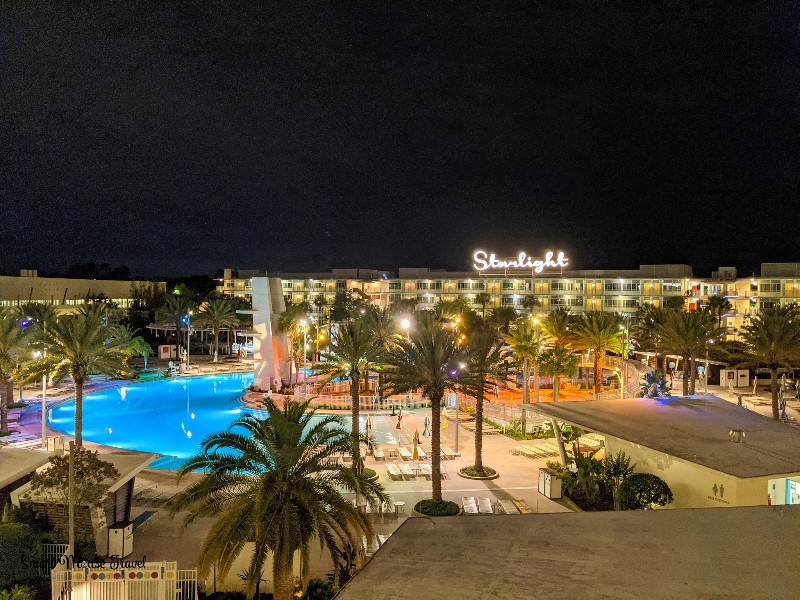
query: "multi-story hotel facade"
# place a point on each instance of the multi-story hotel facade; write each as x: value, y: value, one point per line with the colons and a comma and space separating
x: 526, y: 290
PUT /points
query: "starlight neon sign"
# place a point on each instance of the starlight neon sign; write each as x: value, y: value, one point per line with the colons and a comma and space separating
x: 484, y: 261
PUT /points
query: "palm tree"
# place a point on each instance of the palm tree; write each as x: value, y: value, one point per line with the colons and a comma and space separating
x: 559, y: 325
x: 427, y: 361
x: 687, y: 334
x: 353, y: 352
x: 382, y: 324
x: 485, y: 364
x: 502, y: 317
x: 600, y: 332
x: 645, y: 331
x: 78, y: 346
x: 617, y: 468
x: 772, y: 339
x: 530, y: 303
x: 289, y: 322
x: 483, y: 299
x: 13, y: 343
x: 718, y: 305
x: 217, y: 314
x: 132, y: 343
x: 559, y: 360
x: 176, y: 307
x: 271, y: 482
x: 527, y: 341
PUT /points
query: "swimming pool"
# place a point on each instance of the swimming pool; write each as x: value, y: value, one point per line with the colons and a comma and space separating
x: 169, y: 417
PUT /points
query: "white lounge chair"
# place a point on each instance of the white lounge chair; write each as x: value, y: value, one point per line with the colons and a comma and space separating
x: 485, y: 506
x: 405, y: 454
x: 394, y: 471
x: 443, y: 471
x: 449, y: 453
x: 406, y: 471
x: 508, y: 507
x: 421, y: 453
x: 425, y: 469
x: 378, y: 454
x: 468, y: 505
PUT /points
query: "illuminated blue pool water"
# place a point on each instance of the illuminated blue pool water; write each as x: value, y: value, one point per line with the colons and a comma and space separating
x: 169, y: 417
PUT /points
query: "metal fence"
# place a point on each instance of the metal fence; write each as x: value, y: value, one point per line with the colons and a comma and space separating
x: 414, y: 400
x: 51, y: 556
x: 148, y: 581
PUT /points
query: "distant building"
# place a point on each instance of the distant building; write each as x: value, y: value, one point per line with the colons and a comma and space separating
x: 63, y: 291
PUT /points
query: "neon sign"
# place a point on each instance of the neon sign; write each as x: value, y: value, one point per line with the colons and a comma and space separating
x: 484, y: 261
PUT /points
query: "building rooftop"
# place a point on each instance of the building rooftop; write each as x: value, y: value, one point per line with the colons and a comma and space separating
x: 695, y: 429
x: 690, y: 553
x: 17, y: 462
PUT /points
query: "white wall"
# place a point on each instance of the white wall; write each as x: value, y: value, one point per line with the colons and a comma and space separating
x: 269, y: 346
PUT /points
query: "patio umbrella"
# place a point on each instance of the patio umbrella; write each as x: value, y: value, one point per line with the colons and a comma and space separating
x: 425, y: 423
x: 415, y: 449
x: 444, y: 423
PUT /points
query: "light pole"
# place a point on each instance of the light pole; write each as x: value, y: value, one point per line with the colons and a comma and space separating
x: 187, y: 320
x: 304, y: 325
x: 461, y: 367
x: 623, y: 377
x: 536, y: 364
x: 406, y: 325
x: 705, y: 372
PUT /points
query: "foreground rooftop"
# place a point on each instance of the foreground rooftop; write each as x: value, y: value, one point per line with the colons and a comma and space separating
x: 692, y: 553
x: 694, y: 428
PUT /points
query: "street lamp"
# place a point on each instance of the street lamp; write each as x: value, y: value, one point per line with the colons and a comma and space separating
x: 187, y: 320
x: 405, y: 324
x: 623, y: 377
x: 705, y: 372
x: 304, y: 325
x: 461, y: 367
x: 37, y: 355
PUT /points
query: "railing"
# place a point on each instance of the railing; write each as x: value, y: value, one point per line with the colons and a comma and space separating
x: 415, y: 400
x: 51, y: 556
x: 150, y: 581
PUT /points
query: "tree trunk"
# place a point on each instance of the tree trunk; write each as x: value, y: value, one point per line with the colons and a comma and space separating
x: 178, y: 339
x: 555, y: 389
x: 283, y: 586
x: 436, y: 445
x: 598, y: 373
x: 536, y: 380
x: 560, y: 442
x: 526, y: 381
x: 686, y: 369
x: 216, y: 345
x: 693, y: 384
x: 773, y: 377
x: 4, y: 396
x: 478, y: 428
x: 355, y: 429
x: 79, y: 413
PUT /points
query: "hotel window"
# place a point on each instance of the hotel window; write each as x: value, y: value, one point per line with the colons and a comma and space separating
x: 566, y: 286
x: 287, y: 285
x: 671, y: 287
x: 508, y: 301
x: 769, y: 286
x: 622, y: 302
x: 464, y: 285
x: 395, y: 285
x: 508, y: 285
x: 341, y: 285
x: 478, y: 285
x: 769, y: 304
x: 524, y: 286
x: 316, y: 285
x: 426, y: 299
x: 622, y: 286
x: 422, y: 285
x: 561, y: 301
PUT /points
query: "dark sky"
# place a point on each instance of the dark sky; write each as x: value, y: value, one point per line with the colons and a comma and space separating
x: 180, y: 137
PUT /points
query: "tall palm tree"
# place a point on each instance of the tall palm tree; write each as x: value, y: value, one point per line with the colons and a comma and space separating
x: 600, y: 332
x: 527, y: 341
x: 530, y: 303
x: 272, y: 482
x: 559, y: 326
x: 718, y: 305
x: 289, y: 322
x: 645, y: 331
x: 176, y: 307
x: 353, y: 352
x: 559, y: 360
x: 687, y: 334
x: 427, y: 361
x: 485, y: 362
x: 78, y: 346
x: 483, y: 299
x: 382, y: 324
x: 772, y: 339
x: 13, y: 344
x: 217, y: 314
x: 502, y: 317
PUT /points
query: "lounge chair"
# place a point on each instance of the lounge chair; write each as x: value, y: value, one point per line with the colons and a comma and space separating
x: 449, y: 453
x: 405, y: 454
x: 378, y: 454
x: 485, y: 506
x: 508, y: 507
x: 394, y: 471
x: 421, y: 453
x: 425, y: 469
x: 443, y: 471
x: 469, y: 506
x: 406, y: 471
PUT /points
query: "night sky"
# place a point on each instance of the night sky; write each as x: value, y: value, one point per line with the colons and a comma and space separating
x: 178, y: 137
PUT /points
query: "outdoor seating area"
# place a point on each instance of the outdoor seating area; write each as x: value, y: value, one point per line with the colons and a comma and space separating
x: 477, y: 506
x: 535, y: 451
x: 486, y: 429
x: 462, y: 416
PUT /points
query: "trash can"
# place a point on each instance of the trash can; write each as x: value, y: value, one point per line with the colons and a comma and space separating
x: 549, y: 483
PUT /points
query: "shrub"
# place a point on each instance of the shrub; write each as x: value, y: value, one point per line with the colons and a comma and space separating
x: 319, y: 590
x: 18, y: 592
x: 644, y: 490
x: 370, y: 473
x: 655, y: 385
x: 434, y: 508
x: 473, y: 472
x: 20, y: 553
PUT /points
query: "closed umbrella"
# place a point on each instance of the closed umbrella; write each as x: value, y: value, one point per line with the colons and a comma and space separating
x: 415, y: 449
x: 425, y: 423
x: 444, y: 423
